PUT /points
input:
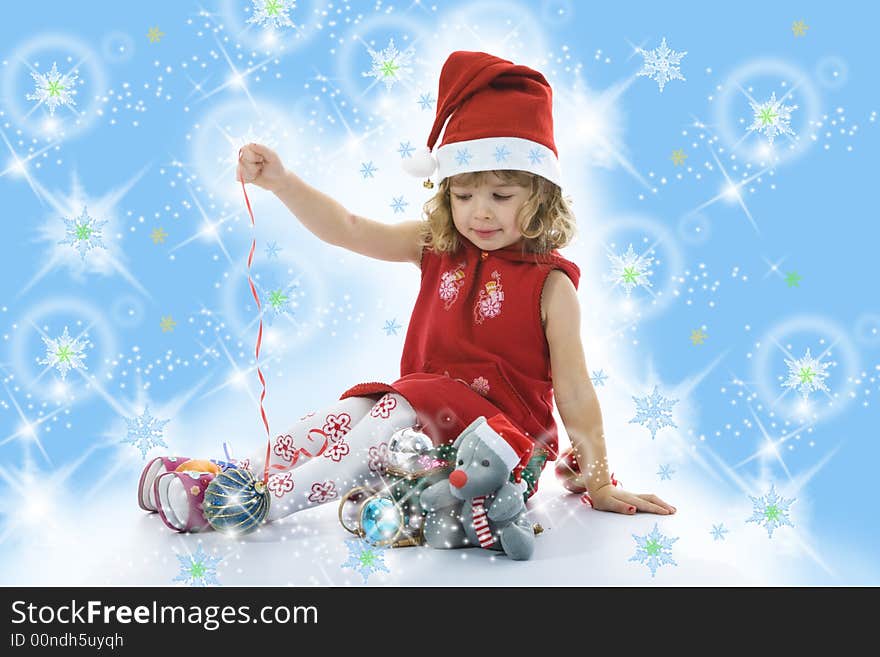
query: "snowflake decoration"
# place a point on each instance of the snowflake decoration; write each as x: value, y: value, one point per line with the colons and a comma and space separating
x: 426, y: 101
x: 661, y: 64
x: 501, y: 154
x: 145, y: 432
x: 718, y: 532
x: 54, y: 89
x: 399, y: 205
x: 367, y: 169
x: 83, y: 233
x: 665, y: 472
x: 771, y: 511
x: 278, y: 301
x: 806, y: 375
x: 272, y: 13
x: 599, y: 378
x: 536, y: 156
x: 772, y: 117
x: 64, y: 353
x: 654, y: 550
x: 391, y: 327
x: 272, y: 250
x: 390, y: 65
x: 406, y: 150
x: 463, y: 156
x: 365, y: 558
x: 631, y: 270
x: 654, y: 412
x: 198, y: 569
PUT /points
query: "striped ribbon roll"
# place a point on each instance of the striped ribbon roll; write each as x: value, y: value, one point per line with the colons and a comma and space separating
x: 481, y: 522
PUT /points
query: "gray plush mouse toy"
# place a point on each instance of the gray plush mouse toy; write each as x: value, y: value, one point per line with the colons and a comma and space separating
x: 478, y: 504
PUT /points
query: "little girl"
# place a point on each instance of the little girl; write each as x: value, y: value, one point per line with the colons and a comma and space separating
x: 497, y: 313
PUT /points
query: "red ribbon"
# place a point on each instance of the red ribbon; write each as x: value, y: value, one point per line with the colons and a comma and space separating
x: 259, y: 333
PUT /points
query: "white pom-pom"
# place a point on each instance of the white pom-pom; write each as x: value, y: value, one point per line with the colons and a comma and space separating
x: 422, y: 163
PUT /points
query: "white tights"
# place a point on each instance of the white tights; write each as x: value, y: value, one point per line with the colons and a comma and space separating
x: 328, y: 453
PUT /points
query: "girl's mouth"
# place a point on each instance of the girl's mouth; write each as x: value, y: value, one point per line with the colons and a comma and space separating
x: 485, y: 233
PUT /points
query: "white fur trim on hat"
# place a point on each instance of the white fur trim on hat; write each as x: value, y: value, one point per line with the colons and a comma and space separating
x: 421, y: 163
x: 495, y: 153
x: 497, y: 444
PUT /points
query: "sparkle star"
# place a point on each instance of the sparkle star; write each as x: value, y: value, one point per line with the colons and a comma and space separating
x: 793, y: 279
x: 158, y: 236
x: 154, y: 35
x: 799, y: 28
x: 678, y: 157
x: 167, y: 324
x: 698, y: 337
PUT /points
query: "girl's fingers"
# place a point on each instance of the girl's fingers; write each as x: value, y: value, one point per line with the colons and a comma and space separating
x: 618, y: 506
x: 656, y: 500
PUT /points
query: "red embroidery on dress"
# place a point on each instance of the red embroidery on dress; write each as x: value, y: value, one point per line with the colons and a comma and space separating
x: 378, y: 458
x: 284, y: 447
x: 336, y: 426
x: 450, y: 284
x: 337, y: 450
x: 280, y: 483
x: 488, y: 303
x: 321, y: 492
x: 384, y: 407
x: 481, y: 386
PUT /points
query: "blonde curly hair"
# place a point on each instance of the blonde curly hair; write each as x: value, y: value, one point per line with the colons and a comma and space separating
x: 545, y: 219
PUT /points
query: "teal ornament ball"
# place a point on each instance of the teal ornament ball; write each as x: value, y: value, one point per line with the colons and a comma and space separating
x: 236, y: 502
x: 381, y: 520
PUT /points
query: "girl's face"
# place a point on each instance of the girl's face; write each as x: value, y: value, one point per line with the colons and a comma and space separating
x: 486, y: 214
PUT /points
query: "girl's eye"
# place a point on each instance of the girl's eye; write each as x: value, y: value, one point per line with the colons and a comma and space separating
x: 462, y: 197
x: 502, y: 198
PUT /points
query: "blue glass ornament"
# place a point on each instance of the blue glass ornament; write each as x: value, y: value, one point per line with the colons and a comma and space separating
x: 236, y: 502
x: 381, y: 520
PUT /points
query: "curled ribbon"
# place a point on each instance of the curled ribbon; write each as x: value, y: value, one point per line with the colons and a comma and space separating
x: 259, y: 333
x: 299, y: 451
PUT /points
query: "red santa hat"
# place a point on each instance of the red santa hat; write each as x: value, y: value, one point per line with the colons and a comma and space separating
x: 512, y: 446
x: 499, y: 117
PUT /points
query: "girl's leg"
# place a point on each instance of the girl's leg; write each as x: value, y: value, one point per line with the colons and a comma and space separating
x: 305, y: 439
x: 356, y: 458
x: 178, y: 497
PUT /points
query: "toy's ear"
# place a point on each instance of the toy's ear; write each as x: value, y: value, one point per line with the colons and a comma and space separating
x: 468, y: 430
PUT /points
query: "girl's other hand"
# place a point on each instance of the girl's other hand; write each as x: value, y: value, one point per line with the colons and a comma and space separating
x: 609, y: 498
x: 261, y: 166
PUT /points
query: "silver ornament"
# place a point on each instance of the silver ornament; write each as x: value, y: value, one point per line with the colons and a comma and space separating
x: 405, y: 448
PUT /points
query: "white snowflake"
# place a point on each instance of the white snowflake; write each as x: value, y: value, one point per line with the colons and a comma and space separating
x: 65, y: 353
x: 654, y: 550
x: 54, y: 89
x: 661, y: 64
x: 272, y: 13
x: 654, y: 412
x: 772, y: 117
x: 145, y: 432
x: 771, y: 511
x: 198, y: 569
x: 806, y: 374
x: 631, y: 270
x: 390, y: 65
x: 83, y: 233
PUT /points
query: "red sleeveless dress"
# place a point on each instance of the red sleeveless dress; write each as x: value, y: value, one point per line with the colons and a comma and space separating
x: 475, y: 344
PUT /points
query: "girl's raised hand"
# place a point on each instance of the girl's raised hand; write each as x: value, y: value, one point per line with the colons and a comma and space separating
x: 261, y: 166
x: 610, y: 498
